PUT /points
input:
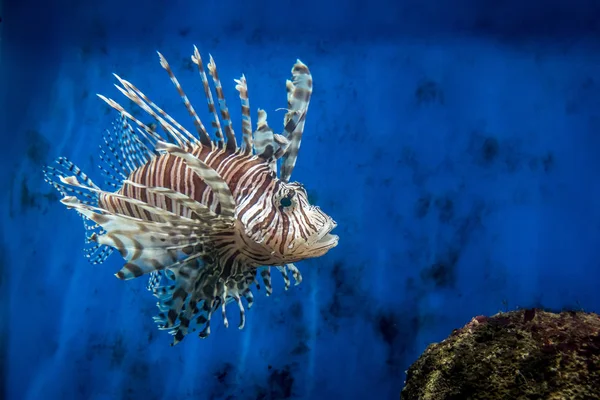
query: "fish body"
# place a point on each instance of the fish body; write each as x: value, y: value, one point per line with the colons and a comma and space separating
x: 201, y: 216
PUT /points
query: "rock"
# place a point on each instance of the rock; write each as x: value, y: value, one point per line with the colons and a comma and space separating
x: 524, y: 354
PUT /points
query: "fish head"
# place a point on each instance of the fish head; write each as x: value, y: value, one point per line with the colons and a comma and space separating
x: 289, y: 228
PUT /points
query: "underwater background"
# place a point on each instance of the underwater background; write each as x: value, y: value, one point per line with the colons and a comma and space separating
x: 456, y: 144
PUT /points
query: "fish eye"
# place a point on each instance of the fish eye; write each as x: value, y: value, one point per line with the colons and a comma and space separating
x: 285, y: 202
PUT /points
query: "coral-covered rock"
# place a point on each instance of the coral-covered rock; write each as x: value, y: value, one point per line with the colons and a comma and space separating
x: 524, y: 354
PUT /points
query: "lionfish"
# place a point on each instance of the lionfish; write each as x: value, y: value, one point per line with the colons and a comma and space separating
x: 201, y: 216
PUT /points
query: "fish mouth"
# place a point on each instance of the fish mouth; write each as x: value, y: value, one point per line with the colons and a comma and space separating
x: 318, y: 246
x: 326, y: 239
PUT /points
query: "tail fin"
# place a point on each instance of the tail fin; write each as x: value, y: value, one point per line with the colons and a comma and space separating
x: 63, y: 168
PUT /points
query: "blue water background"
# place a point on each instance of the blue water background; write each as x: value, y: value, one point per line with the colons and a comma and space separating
x: 456, y: 143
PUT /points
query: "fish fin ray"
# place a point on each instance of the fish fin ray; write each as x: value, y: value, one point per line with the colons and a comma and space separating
x: 299, y: 93
x: 264, y: 141
x: 242, y: 87
x: 229, y: 132
x: 55, y: 174
x: 201, y: 130
x: 216, y: 122
x: 146, y: 246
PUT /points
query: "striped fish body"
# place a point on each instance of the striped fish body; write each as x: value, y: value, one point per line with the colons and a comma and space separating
x: 202, y: 217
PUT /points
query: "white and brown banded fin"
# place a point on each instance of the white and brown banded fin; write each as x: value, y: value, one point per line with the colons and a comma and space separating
x: 62, y: 168
x: 154, y: 280
x: 121, y: 153
x: 98, y: 254
x: 145, y: 245
x: 185, y: 311
x: 159, y: 214
x: 229, y: 132
x: 113, y: 167
x: 207, y: 174
x: 175, y: 297
x: 263, y: 137
x: 284, y: 269
x: 55, y: 174
x: 269, y: 145
x: 299, y: 93
x: 230, y: 292
x: 195, y: 312
x: 265, y: 274
x: 242, y: 87
x: 177, y: 226
x: 284, y: 275
x: 281, y: 143
x: 216, y: 122
x: 295, y: 273
x: 175, y: 130
x: 202, y: 134
x: 149, y: 134
x: 135, y: 153
x: 249, y: 298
